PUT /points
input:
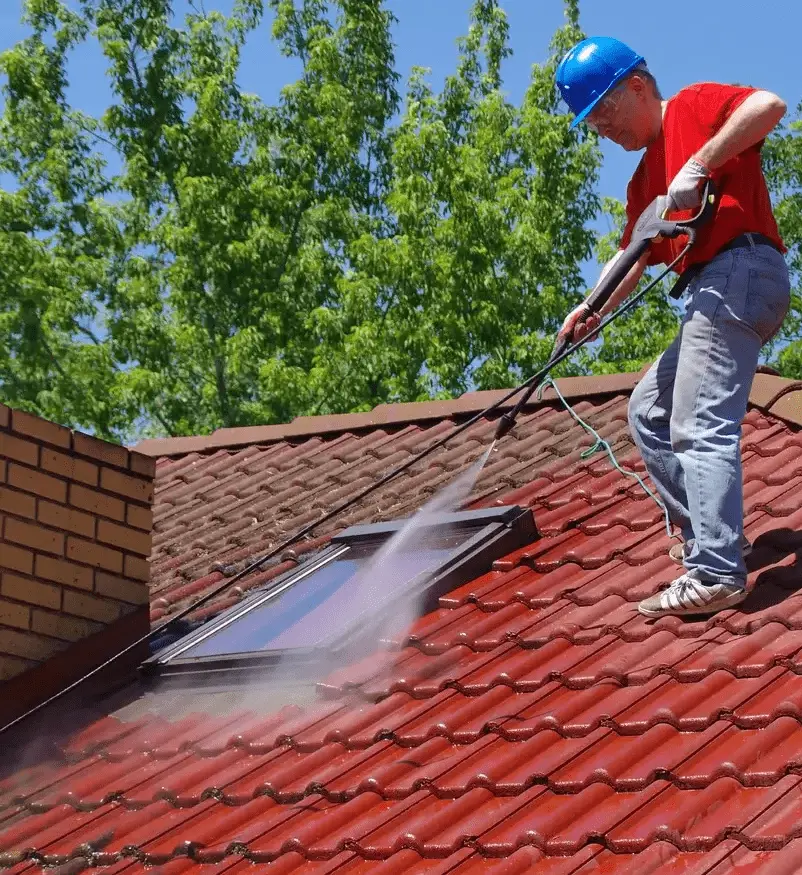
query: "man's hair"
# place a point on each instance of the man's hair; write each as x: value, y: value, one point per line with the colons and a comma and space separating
x: 643, y: 71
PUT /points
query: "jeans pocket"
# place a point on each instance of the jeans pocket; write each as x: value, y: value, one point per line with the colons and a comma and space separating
x: 768, y: 298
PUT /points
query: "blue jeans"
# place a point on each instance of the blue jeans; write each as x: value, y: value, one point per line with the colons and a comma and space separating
x: 685, y: 414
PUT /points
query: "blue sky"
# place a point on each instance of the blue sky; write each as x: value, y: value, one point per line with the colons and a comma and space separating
x: 719, y: 40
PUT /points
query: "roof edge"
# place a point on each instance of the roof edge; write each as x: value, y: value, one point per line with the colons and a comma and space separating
x: 779, y: 396
x: 771, y: 393
x: 405, y: 413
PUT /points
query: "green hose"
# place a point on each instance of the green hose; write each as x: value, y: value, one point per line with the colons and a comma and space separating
x: 602, y: 443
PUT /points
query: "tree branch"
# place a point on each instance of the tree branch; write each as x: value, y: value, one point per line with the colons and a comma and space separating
x: 91, y: 335
x: 222, y: 389
x: 293, y: 236
x: 134, y: 66
x: 170, y: 429
x: 56, y: 363
x: 219, y: 371
x: 96, y: 135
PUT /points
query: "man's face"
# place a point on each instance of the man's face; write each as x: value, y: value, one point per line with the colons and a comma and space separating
x: 622, y: 115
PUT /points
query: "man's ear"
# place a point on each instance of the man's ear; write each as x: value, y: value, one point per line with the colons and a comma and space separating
x: 637, y: 84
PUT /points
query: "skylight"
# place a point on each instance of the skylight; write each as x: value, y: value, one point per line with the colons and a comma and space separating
x: 344, y: 592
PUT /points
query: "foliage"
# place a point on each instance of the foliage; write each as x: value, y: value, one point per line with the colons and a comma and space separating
x: 782, y: 158
x: 195, y: 258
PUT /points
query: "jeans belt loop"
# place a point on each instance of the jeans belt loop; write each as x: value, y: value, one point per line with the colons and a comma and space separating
x: 685, y: 279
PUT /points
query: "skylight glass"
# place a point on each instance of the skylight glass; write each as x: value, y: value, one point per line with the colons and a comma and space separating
x: 331, y: 597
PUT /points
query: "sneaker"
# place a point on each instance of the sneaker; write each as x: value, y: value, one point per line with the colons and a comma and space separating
x: 677, y: 552
x: 687, y: 595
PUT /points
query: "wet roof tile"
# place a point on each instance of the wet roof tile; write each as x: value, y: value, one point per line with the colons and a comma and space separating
x: 534, y: 721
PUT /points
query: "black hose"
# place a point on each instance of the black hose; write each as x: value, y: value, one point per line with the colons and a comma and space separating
x: 562, y: 349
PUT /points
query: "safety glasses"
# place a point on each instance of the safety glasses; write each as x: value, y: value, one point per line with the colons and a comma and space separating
x: 604, y: 111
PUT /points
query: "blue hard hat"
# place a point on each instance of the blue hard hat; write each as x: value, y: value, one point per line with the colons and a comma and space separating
x: 591, y: 69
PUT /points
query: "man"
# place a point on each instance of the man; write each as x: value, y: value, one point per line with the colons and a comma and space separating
x: 686, y: 413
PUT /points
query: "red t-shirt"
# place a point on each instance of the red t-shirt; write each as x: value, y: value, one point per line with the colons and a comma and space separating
x: 692, y: 117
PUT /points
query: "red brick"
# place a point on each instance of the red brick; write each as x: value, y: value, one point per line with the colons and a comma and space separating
x: 124, y: 484
x: 124, y: 537
x: 144, y: 465
x: 29, y: 646
x: 12, y: 614
x: 11, y: 666
x: 33, y: 535
x: 102, y: 451
x: 140, y: 517
x: 137, y: 568
x: 69, y: 467
x: 16, y: 558
x: 33, y: 592
x: 37, y: 482
x: 132, y: 592
x: 91, y: 608
x: 19, y: 503
x: 97, y: 502
x: 3, y: 466
x: 16, y: 448
x: 5, y: 416
x: 62, y: 626
x: 94, y: 554
x: 40, y: 429
x: 61, y: 517
x: 64, y: 572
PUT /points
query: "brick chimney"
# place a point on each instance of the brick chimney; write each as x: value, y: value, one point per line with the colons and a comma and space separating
x: 75, y: 537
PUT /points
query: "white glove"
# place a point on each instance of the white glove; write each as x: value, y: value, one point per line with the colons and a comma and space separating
x: 685, y: 191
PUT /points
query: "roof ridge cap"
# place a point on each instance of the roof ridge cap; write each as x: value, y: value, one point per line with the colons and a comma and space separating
x: 393, y: 415
x: 770, y: 394
x: 782, y: 401
x: 792, y: 386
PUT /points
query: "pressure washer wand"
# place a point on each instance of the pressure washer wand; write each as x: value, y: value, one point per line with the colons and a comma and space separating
x: 649, y: 226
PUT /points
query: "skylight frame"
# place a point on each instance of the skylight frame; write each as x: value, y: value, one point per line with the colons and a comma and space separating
x: 491, y: 533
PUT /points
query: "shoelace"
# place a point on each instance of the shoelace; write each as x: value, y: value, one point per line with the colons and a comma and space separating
x: 686, y: 589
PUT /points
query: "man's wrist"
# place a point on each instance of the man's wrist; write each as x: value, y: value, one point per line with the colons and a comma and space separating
x: 704, y: 159
x: 699, y: 166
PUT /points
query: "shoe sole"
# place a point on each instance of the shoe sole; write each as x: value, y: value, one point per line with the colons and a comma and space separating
x: 729, y: 602
x: 676, y: 561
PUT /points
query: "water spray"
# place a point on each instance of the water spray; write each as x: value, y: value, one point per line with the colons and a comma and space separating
x: 650, y: 225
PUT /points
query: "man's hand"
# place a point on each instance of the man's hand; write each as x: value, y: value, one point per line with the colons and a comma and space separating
x: 579, y: 322
x: 685, y: 191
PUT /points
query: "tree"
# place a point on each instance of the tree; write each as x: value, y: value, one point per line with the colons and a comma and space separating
x: 60, y: 235
x: 783, y: 166
x: 230, y: 218
x: 249, y: 263
x: 247, y: 209
x: 489, y: 206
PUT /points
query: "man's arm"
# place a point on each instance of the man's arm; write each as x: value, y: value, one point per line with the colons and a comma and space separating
x: 627, y: 285
x: 578, y: 323
x: 750, y: 123
x: 754, y: 120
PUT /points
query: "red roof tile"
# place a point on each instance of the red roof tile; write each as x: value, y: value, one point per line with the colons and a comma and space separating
x: 533, y: 722
x: 216, y: 512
